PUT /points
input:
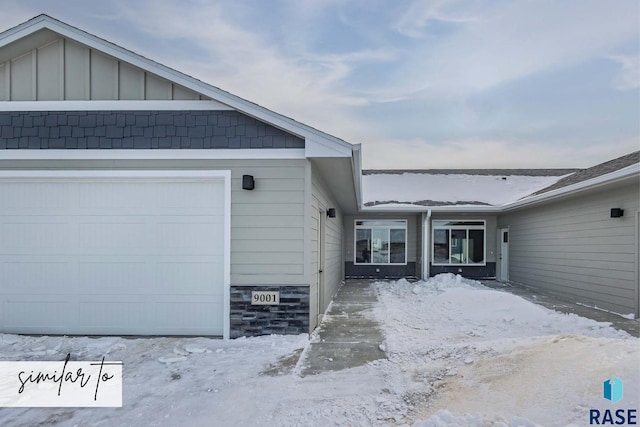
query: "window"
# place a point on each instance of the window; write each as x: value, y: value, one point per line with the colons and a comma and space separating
x: 381, y: 242
x: 458, y: 242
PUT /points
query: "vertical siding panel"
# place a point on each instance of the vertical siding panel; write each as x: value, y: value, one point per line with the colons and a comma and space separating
x: 76, y: 71
x: 48, y: 72
x: 157, y: 88
x: 3, y: 86
x: 180, y: 92
x: 104, y: 77
x: 22, y: 78
x: 131, y: 82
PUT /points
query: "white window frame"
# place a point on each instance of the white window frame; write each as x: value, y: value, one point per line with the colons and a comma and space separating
x: 357, y: 227
x: 482, y: 227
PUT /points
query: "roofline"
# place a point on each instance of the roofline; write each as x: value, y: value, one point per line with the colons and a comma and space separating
x: 599, y: 181
x: 590, y: 184
x: 327, y: 143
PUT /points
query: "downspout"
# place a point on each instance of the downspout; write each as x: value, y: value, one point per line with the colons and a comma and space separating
x: 426, y: 233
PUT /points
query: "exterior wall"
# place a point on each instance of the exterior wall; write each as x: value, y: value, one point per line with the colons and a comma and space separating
x: 383, y: 271
x: 575, y: 249
x: 139, y: 130
x: 267, y: 233
x: 473, y: 272
x: 50, y: 68
x: 331, y: 255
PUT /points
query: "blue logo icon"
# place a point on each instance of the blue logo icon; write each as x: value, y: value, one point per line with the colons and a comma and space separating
x: 613, y: 389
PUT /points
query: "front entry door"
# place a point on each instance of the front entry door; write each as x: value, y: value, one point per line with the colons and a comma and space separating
x: 504, y: 254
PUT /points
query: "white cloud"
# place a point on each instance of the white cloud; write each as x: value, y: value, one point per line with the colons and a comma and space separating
x: 629, y: 75
x: 516, y: 40
x: 486, y: 153
x: 421, y: 13
x: 305, y: 87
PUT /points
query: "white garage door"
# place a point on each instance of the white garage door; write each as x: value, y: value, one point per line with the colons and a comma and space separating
x: 105, y: 254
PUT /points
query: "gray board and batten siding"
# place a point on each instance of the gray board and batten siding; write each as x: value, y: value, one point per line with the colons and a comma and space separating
x: 45, y: 66
x: 139, y: 130
x: 572, y: 247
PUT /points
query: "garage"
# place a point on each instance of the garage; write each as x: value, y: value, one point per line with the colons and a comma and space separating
x: 114, y: 252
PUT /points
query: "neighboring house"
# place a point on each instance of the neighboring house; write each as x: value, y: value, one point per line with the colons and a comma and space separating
x: 135, y: 199
x: 570, y: 232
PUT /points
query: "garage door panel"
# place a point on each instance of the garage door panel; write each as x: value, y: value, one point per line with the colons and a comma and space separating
x: 113, y: 238
x: 112, y: 256
x: 187, y: 194
x: 38, y: 237
x: 112, y: 316
x: 42, y: 313
x: 189, y: 278
x: 113, y: 277
x: 181, y: 316
x: 26, y: 196
x: 114, y: 196
x: 36, y: 277
x: 193, y: 238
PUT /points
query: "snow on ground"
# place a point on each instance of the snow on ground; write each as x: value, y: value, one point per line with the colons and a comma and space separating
x: 481, y: 356
x: 454, y: 188
x: 459, y: 354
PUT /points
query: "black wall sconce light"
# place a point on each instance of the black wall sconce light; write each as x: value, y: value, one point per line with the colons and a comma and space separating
x: 617, y: 212
x: 248, y: 183
x: 331, y: 212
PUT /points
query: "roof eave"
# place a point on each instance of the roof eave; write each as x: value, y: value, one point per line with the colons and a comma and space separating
x: 610, y: 178
x: 319, y: 144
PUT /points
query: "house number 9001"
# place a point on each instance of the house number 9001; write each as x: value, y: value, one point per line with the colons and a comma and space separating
x: 265, y: 297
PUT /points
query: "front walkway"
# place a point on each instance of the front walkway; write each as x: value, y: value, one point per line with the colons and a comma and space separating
x: 348, y: 336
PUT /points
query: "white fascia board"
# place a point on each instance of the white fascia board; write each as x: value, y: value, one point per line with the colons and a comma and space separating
x: 596, y: 182
x: 154, y: 154
x: 356, y: 160
x: 317, y: 148
x: 308, y: 133
x: 419, y: 208
x: 113, y: 106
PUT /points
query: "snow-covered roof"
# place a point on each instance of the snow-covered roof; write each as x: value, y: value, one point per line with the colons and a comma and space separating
x: 492, y: 188
x: 453, y: 188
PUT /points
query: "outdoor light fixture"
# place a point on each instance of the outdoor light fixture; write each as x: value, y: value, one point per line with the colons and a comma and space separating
x: 248, y: 183
x: 617, y: 212
x: 331, y: 212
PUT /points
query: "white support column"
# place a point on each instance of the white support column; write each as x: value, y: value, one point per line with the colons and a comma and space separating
x: 426, y: 234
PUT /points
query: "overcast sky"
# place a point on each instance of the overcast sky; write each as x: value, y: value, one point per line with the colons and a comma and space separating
x: 420, y: 83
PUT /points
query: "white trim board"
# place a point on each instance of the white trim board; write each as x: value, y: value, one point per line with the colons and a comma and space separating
x: 146, y: 105
x: 155, y: 154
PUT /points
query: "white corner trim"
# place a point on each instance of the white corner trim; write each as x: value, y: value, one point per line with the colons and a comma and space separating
x: 113, y: 106
x: 226, y: 320
x: 155, y: 154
